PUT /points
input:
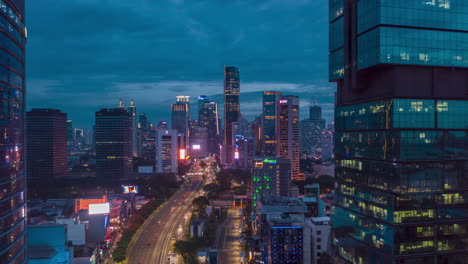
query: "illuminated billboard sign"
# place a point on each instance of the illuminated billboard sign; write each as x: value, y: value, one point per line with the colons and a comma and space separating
x: 129, y: 189
x: 102, y: 208
x: 283, y: 101
x: 182, y: 154
x: 236, y: 155
x: 196, y: 147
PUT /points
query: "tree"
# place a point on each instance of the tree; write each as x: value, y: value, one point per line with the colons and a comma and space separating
x: 201, y: 202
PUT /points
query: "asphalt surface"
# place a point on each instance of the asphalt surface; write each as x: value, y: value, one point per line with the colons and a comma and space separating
x: 228, y: 242
x: 153, y: 241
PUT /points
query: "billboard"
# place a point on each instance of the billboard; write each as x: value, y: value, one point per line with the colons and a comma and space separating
x: 102, y: 208
x: 129, y: 189
x: 196, y: 146
x: 182, y: 154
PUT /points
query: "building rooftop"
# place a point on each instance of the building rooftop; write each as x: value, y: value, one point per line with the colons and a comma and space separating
x: 320, y: 219
x: 279, y: 204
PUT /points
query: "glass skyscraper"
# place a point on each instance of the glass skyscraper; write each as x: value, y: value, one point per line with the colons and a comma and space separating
x: 12, y: 157
x: 270, y: 100
x: 231, y: 109
x: 401, y: 124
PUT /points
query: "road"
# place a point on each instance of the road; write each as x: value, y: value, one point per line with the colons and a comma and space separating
x: 228, y: 243
x: 153, y: 241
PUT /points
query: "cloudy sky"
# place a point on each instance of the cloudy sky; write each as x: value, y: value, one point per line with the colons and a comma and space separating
x: 86, y: 54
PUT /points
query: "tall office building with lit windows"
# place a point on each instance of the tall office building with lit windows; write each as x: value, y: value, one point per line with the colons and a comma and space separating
x: 113, y: 145
x: 209, y: 118
x: 166, y: 150
x: 401, y: 142
x: 12, y: 122
x: 287, y: 133
x: 231, y: 110
x: 270, y: 100
x: 181, y: 114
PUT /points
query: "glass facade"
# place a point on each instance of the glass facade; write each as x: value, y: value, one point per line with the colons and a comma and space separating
x: 401, y: 164
x: 401, y: 156
x: 407, y: 32
x: 231, y: 108
x: 270, y: 99
x: 12, y: 122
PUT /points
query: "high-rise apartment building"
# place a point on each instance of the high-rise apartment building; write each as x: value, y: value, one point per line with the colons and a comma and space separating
x: 166, y: 150
x: 401, y: 69
x: 132, y: 110
x: 12, y: 122
x: 113, y: 145
x: 210, y: 120
x: 231, y: 110
x: 181, y: 115
x: 46, y: 142
x: 287, y: 133
x: 270, y: 101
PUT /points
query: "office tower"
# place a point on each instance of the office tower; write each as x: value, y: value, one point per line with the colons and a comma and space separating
x: 241, y: 127
x: 132, y: 110
x: 143, y: 121
x: 202, y: 100
x: 46, y: 142
x: 210, y: 120
x: 12, y: 170
x: 181, y: 115
x: 231, y: 110
x: 162, y: 125
x: 166, y: 150
x: 121, y: 104
x: 311, y: 132
x: 270, y: 100
x: 113, y: 145
x: 270, y: 177
x: 401, y: 130
x: 79, y: 137
x: 287, y: 133
x: 328, y: 137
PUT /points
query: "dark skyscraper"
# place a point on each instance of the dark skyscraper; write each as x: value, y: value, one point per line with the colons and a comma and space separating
x: 315, y: 112
x: 401, y: 129
x: 12, y: 119
x: 287, y: 133
x: 202, y: 100
x: 270, y: 100
x: 181, y: 115
x: 113, y: 145
x: 210, y: 120
x: 46, y: 142
x: 231, y: 109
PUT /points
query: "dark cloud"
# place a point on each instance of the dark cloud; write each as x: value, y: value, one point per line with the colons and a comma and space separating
x: 86, y: 54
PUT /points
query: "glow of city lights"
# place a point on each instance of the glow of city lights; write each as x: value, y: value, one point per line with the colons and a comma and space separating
x: 182, y: 154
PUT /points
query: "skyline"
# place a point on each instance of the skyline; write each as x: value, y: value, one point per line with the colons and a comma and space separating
x: 60, y: 75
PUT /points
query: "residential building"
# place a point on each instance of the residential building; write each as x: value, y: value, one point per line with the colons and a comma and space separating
x: 46, y: 141
x: 319, y: 237
x: 401, y: 130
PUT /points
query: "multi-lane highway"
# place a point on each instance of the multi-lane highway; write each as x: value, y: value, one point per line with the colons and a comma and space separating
x: 153, y: 241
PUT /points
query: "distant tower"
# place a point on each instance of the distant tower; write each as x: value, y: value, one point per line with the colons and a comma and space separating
x: 287, y: 132
x: 166, y: 150
x: 132, y: 110
x: 210, y: 120
x: 231, y: 110
x: 202, y: 100
x: 121, y: 104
